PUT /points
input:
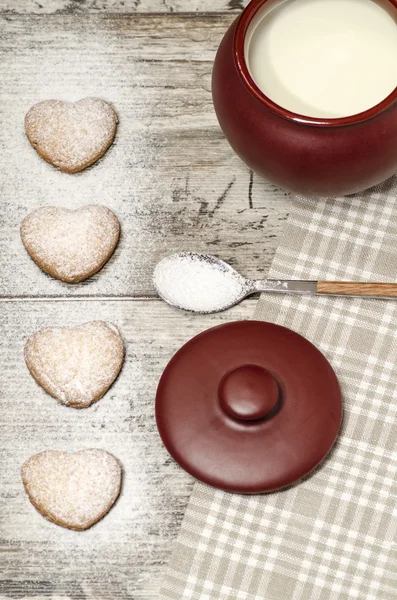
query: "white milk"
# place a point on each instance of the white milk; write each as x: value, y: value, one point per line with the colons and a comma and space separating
x: 324, y: 58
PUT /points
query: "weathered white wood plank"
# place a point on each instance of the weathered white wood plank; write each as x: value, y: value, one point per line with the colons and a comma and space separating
x: 122, y: 556
x: 175, y: 184
x: 120, y: 6
x: 171, y: 177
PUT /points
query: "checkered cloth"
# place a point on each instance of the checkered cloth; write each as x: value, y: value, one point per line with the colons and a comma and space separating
x: 333, y: 536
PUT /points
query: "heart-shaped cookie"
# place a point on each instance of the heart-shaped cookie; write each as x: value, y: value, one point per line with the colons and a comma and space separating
x: 76, y: 365
x: 74, y: 490
x: 70, y: 245
x: 71, y: 135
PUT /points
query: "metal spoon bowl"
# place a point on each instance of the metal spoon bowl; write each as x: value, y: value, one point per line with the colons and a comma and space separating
x: 200, y: 283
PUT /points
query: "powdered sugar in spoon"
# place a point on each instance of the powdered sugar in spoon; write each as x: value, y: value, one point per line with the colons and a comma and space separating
x: 203, y: 283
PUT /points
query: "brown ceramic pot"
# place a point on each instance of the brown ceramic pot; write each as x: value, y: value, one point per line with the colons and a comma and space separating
x: 310, y: 156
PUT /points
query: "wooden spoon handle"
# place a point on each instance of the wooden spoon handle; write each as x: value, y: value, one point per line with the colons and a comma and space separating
x: 345, y: 288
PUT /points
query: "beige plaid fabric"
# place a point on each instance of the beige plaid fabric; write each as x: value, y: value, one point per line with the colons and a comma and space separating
x: 334, y: 535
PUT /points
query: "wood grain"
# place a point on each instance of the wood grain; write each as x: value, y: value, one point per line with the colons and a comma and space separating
x: 122, y: 556
x: 170, y: 177
x: 344, y: 288
x: 175, y: 184
x: 119, y: 6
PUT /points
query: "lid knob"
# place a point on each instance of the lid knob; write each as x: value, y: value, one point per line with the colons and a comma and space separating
x: 248, y: 393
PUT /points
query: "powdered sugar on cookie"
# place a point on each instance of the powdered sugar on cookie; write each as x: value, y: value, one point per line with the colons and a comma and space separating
x: 70, y: 245
x: 76, y: 365
x: 74, y: 490
x: 71, y: 135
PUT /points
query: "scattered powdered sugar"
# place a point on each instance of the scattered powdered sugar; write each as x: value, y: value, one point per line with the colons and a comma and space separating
x: 72, y: 490
x: 199, y: 282
x: 76, y: 365
x: 71, y: 135
x: 69, y: 244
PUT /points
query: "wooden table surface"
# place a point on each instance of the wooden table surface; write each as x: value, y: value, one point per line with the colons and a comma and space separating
x: 175, y: 184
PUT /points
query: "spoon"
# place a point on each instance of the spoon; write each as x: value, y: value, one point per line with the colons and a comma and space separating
x: 204, y: 284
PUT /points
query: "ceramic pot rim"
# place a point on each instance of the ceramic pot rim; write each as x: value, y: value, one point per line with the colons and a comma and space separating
x: 239, y: 56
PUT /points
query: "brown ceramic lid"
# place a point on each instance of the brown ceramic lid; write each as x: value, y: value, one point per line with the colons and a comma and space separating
x: 248, y: 407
